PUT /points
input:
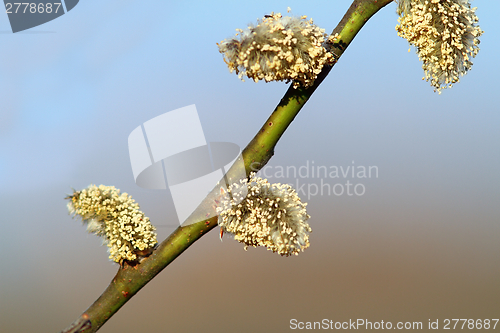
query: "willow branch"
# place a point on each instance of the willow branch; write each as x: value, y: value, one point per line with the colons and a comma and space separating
x: 130, y: 279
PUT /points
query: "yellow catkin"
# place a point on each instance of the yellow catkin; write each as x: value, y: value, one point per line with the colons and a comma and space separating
x: 445, y: 33
x: 117, y: 219
x: 278, y: 49
x: 269, y: 215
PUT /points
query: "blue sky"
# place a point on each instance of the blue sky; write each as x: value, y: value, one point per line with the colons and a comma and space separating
x: 73, y: 89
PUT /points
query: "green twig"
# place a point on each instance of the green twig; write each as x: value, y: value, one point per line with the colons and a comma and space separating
x: 130, y: 279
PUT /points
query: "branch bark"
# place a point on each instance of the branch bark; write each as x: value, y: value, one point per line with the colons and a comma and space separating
x: 130, y: 279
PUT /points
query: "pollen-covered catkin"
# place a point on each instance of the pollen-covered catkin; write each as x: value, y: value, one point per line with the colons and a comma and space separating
x: 278, y: 49
x: 269, y: 215
x: 117, y: 219
x: 445, y: 33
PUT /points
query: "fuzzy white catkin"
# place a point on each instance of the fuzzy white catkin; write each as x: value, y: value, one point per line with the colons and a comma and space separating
x: 445, y: 33
x: 269, y: 215
x: 117, y: 219
x: 278, y: 49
